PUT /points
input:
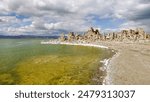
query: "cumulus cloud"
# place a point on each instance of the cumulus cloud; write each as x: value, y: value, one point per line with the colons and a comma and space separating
x: 56, y: 16
x: 135, y: 12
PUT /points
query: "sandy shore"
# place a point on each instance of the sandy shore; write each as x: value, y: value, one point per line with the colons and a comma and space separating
x: 130, y: 66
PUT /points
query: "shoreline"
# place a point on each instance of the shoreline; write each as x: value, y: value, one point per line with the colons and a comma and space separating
x: 128, y: 66
x: 80, y: 44
x: 105, y: 62
x: 108, y: 80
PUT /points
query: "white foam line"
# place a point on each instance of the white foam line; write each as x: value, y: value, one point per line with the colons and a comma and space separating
x: 105, y: 68
x: 108, y: 79
x: 48, y: 42
x: 68, y: 43
x: 105, y: 62
x: 92, y: 45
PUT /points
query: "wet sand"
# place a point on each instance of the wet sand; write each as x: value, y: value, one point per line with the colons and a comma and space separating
x: 131, y: 64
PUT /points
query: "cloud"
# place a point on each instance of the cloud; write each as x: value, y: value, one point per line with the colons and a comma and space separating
x: 135, y: 12
x: 56, y: 16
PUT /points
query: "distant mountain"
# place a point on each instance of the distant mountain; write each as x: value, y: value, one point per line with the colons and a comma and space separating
x: 27, y: 36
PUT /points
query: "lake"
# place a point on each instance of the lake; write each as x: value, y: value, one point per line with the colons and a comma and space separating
x: 27, y: 62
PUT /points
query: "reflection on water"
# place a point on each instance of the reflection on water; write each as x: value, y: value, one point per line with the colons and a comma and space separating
x: 26, y: 61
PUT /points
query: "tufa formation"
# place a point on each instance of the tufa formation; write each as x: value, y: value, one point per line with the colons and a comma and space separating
x: 94, y: 36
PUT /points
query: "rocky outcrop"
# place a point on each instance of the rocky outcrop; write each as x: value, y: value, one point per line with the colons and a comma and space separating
x: 94, y: 35
x: 90, y: 36
x: 62, y: 38
x: 127, y: 35
x: 148, y: 36
x: 71, y: 37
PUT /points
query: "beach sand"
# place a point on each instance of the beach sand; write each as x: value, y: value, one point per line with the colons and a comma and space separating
x: 131, y: 64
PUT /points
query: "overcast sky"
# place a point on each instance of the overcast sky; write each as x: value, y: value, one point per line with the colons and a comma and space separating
x: 49, y: 17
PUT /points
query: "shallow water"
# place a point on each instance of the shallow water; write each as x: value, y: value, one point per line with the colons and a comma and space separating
x: 26, y: 61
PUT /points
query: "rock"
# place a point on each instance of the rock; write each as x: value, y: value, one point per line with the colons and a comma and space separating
x: 148, y: 36
x: 141, y: 35
x: 92, y: 35
x: 62, y: 38
x: 130, y: 35
x: 78, y: 37
x: 71, y: 36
